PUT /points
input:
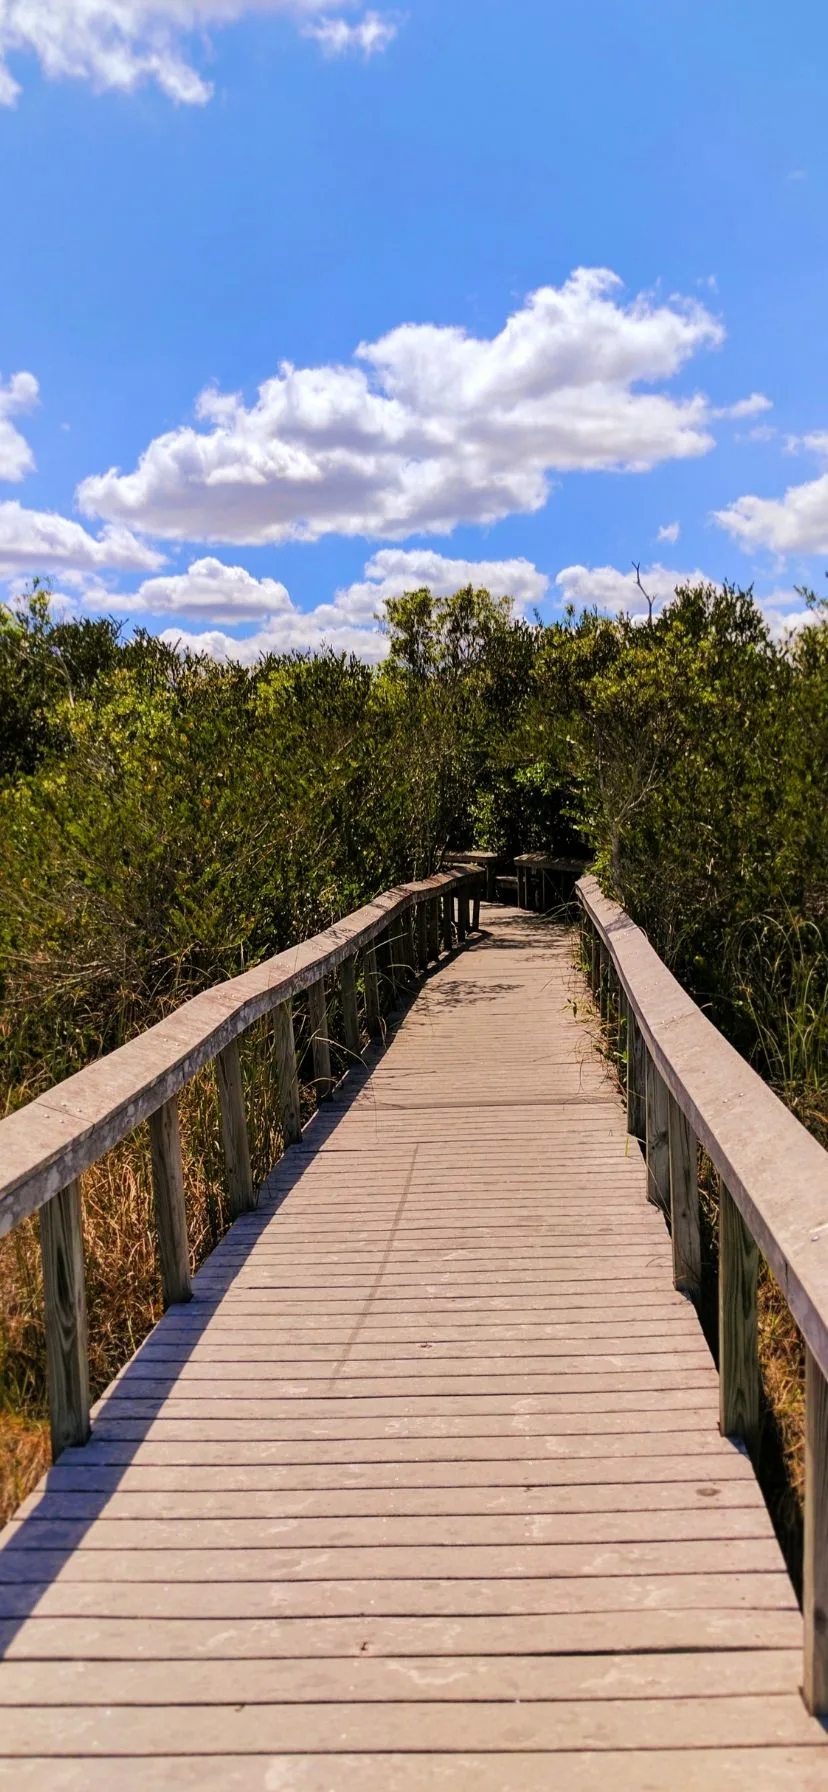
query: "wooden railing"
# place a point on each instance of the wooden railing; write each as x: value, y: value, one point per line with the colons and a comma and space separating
x: 687, y: 1085
x: 46, y: 1146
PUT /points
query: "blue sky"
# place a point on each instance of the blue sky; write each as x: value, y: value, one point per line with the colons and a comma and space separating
x: 210, y: 206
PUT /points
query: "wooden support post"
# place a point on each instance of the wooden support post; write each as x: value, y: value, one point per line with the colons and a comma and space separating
x: 475, y: 919
x: 684, y: 1201
x: 447, y: 903
x: 64, y: 1291
x: 658, y: 1153
x: 170, y: 1207
x: 388, y: 949
x: 234, y: 1130
x: 350, y: 1012
x: 636, y: 1078
x: 320, y: 1041
x: 422, y: 936
x: 434, y: 928
x: 739, y: 1384
x: 462, y: 915
x: 370, y: 976
x: 815, y: 1564
x: 407, y: 960
x: 287, y: 1076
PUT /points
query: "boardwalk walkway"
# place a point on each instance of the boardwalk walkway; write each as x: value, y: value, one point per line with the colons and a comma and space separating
x: 425, y: 1487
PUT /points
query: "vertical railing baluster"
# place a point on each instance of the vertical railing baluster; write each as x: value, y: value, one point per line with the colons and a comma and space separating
x: 815, y: 1563
x: 320, y: 1039
x: 658, y: 1152
x: 684, y: 1201
x: 64, y: 1292
x: 434, y: 929
x: 170, y: 1205
x: 371, y: 983
x: 739, y: 1380
x: 422, y: 937
x: 287, y: 1073
x: 350, y: 1012
x: 234, y: 1129
x: 447, y: 903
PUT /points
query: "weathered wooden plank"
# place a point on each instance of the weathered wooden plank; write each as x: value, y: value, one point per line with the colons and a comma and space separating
x: 739, y: 1383
x: 64, y: 1294
x: 234, y: 1129
x: 684, y: 1201
x: 422, y: 936
x: 815, y: 1560
x: 350, y: 1012
x: 170, y: 1205
x: 320, y: 1041
x: 434, y: 928
x: 287, y: 1074
x: 636, y: 1078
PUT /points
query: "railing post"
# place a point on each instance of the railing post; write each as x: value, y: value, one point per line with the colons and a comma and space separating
x: 684, y: 1201
x: 422, y: 936
x: 462, y: 915
x: 287, y: 1075
x: 170, y: 1206
x: 64, y: 1291
x: 320, y: 1041
x: 234, y: 1129
x: 350, y: 1012
x: 658, y: 1154
x: 386, y: 952
x: 434, y: 928
x: 447, y: 904
x: 370, y: 977
x: 475, y: 920
x: 739, y: 1383
x: 815, y: 1564
x: 636, y: 1078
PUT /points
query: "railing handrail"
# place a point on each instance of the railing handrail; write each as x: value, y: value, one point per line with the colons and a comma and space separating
x: 773, y: 1168
x: 51, y: 1140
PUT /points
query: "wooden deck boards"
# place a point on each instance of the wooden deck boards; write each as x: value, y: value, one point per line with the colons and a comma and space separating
x: 425, y: 1487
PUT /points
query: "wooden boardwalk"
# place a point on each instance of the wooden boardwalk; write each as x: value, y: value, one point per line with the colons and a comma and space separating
x: 425, y: 1487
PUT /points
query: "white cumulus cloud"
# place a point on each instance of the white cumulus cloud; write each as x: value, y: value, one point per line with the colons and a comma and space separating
x: 121, y: 43
x: 796, y: 523
x: 669, y: 532
x: 16, y: 457
x: 607, y: 588
x: 368, y: 36
x: 43, y: 541
x: 428, y: 426
x: 212, y: 591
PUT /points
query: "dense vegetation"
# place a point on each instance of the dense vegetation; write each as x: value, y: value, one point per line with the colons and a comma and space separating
x: 164, y: 821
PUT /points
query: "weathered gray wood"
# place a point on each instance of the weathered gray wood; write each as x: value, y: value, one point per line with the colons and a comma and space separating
x: 684, y: 1201
x: 658, y: 1151
x: 287, y: 1074
x: 64, y: 1297
x: 475, y: 917
x: 320, y: 1040
x: 234, y: 1129
x: 170, y: 1205
x: 371, y: 985
x: 350, y: 1012
x: 447, y: 905
x: 462, y: 915
x: 52, y: 1140
x: 739, y: 1382
x: 434, y: 928
x: 815, y: 1563
x: 636, y: 1078
x: 422, y: 936
x: 407, y: 948
x: 776, y: 1171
